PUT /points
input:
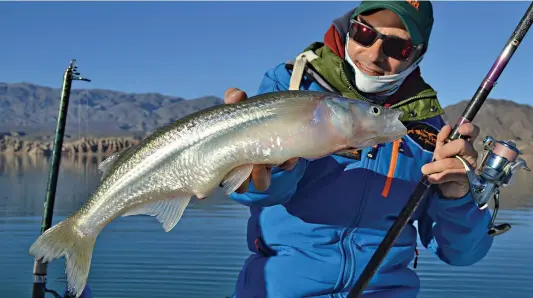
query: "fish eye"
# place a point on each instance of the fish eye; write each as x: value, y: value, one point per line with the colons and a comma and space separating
x: 376, y: 111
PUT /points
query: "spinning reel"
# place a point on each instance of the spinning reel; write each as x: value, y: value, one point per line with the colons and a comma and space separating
x: 500, y: 161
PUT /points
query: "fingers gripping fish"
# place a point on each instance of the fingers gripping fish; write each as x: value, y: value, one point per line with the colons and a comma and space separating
x: 214, y: 147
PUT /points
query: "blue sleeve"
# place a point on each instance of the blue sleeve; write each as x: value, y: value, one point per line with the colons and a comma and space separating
x: 282, y: 183
x: 455, y: 230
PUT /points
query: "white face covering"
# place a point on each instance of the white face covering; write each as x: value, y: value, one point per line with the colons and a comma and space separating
x: 387, y: 84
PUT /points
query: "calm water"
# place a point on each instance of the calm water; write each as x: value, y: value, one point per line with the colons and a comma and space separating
x: 202, y: 255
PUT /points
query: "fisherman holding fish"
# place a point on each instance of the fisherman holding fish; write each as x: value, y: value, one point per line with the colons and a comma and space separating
x: 315, y: 224
x: 325, y: 174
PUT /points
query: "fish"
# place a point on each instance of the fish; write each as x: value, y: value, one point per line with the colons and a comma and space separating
x: 212, y: 148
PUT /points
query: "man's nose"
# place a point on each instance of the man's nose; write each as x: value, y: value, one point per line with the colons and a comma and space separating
x: 375, y: 52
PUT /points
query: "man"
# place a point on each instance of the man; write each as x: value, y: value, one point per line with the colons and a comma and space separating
x: 314, y: 225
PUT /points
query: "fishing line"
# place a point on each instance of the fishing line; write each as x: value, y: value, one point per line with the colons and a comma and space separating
x: 86, y: 165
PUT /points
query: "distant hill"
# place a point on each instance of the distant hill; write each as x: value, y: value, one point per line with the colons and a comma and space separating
x: 28, y: 112
x: 32, y: 110
x: 503, y: 119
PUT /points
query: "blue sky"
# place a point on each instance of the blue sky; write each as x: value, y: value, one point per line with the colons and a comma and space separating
x: 193, y: 49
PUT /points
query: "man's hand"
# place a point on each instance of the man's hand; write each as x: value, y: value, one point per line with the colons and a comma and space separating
x: 260, y: 173
x: 447, y: 171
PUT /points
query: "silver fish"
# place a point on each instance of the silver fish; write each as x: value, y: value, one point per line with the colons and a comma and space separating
x: 215, y: 147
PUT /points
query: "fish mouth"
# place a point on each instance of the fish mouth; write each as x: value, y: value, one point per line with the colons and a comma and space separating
x: 393, y: 126
x: 392, y: 129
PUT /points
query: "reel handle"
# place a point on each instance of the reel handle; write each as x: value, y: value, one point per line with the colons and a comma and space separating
x: 497, y: 230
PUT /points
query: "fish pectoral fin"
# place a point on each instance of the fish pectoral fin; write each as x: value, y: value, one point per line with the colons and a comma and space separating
x: 168, y: 212
x: 107, y: 163
x: 236, y: 177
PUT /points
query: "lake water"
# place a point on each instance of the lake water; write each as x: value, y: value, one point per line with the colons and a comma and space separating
x: 202, y: 255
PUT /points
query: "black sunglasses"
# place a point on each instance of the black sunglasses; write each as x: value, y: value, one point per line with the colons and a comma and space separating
x: 394, y: 47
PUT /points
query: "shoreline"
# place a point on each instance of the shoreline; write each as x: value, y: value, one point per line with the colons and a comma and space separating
x: 107, y: 144
x: 86, y: 145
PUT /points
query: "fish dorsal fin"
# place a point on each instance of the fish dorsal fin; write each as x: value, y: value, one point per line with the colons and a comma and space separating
x: 105, y: 165
x: 236, y: 177
x: 168, y: 212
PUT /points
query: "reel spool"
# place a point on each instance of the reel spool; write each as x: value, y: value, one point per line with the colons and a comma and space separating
x: 500, y: 161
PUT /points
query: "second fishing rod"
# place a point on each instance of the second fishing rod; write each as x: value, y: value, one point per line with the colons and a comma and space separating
x: 497, y: 171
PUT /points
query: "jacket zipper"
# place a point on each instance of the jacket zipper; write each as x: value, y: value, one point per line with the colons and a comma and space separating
x: 347, y: 234
x: 429, y: 94
x: 350, y: 261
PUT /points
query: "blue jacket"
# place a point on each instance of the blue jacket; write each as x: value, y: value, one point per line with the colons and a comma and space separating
x: 314, y: 229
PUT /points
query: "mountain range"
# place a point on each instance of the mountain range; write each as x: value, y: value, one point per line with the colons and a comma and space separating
x: 98, y: 119
x: 32, y: 110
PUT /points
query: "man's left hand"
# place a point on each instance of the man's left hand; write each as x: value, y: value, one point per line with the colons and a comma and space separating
x: 447, y: 171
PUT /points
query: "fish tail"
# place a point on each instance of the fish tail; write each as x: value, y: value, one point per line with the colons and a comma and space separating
x: 65, y: 239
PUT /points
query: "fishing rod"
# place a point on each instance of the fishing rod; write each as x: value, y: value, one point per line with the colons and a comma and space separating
x: 500, y: 161
x: 39, y: 268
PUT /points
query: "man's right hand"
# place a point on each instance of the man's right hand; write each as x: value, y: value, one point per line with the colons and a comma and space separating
x: 260, y: 173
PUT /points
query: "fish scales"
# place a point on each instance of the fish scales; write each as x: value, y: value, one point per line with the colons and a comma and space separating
x: 141, y: 172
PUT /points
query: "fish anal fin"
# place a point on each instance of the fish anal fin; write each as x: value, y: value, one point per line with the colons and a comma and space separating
x: 236, y: 177
x: 167, y: 211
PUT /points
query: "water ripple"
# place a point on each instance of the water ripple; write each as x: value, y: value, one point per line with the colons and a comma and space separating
x: 203, y: 254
